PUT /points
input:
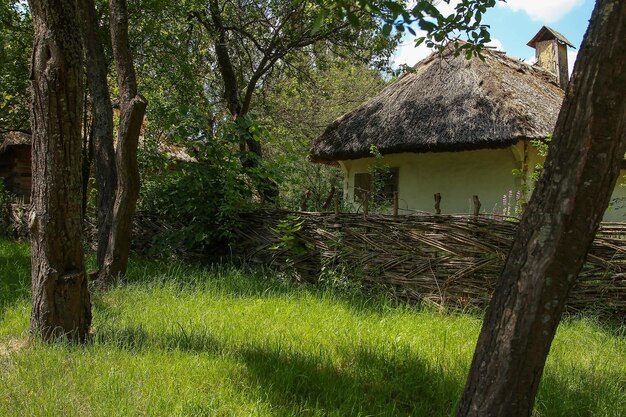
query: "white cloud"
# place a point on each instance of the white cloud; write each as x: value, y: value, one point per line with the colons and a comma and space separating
x: 447, y: 9
x: 543, y: 10
x: 496, y: 44
x: 531, y: 60
x: 408, y: 54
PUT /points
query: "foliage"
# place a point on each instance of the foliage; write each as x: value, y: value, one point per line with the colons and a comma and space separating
x: 5, y: 195
x: 5, y: 199
x: 379, y: 173
x: 287, y: 230
x: 542, y: 149
x: 15, y: 50
x: 465, y: 23
x: 296, y: 110
x: 178, y: 340
x: 267, y: 39
x: 527, y: 179
x: 174, y: 70
x: 205, y: 195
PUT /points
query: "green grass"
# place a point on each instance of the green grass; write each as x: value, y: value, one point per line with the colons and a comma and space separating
x: 177, y: 340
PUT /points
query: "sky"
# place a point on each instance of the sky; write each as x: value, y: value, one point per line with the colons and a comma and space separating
x: 514, y: 22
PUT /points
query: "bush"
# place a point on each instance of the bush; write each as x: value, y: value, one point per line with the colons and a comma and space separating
x: 5, y: 199
x: 203, y: 197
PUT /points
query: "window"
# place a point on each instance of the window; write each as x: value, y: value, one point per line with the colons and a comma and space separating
x: 362, y: 184
x: 384, y: 185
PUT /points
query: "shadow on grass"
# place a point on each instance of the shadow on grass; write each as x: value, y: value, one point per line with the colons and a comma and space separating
x: 599, y: 394
x: 369, y: 384
x: 136, y: 339
x: 14, y: 273
x: 361, y: 380
x: 296, y: 383
x: 403, y: 384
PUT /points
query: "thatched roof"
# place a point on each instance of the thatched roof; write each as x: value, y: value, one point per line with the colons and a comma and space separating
x: 14, y: 139
x: 448, y: 103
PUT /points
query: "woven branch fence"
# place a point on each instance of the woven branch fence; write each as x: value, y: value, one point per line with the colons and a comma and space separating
x: 447, y: 261
x: 147, y: 228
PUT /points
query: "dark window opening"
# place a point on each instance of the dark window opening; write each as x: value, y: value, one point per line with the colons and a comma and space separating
x: 381, y: 186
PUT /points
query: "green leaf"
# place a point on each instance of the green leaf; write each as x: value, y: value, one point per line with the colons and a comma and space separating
x: 386, y: 29
x: 353, y: 19
x: 427, y: 25
x: 318, y: 22
x: 417, y: 12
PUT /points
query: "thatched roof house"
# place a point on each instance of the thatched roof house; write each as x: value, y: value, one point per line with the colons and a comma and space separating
x: 454, y: 127
x: 14, y: 139
x: 15, y: 166
x: 448, y: 103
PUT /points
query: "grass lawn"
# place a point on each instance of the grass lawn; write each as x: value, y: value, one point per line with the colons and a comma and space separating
x: 177, y: 340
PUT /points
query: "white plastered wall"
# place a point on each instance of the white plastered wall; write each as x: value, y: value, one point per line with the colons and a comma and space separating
x: 457, y: 176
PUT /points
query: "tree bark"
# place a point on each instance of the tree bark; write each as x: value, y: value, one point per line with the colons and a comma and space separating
x: 101, y: 135
x: 231, y: 89
x: 132, y: 110
x: 213, y: 23
x: 61, y: 304
x: 557, y: 228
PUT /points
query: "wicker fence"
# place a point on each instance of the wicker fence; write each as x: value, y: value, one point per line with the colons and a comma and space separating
x: 450, y: 261
x: 147, y: 227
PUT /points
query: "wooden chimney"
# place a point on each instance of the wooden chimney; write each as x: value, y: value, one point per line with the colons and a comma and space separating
x: 551, y: 53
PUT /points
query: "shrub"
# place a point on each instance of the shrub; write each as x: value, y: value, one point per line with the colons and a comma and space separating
x: 202, y: 198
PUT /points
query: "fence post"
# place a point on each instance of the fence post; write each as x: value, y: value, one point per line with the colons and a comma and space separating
x: 395, y: 204
x: 477, y: 205
x: 437, y: 203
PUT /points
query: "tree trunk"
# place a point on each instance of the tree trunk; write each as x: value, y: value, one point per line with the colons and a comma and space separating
x: 132, y: 110
x: 101, y: 135
x: 61, y: 305
x: 231, y: 88
x: 557, y: 228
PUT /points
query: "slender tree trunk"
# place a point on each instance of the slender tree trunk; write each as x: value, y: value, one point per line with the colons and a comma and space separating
x: 101, y: 135
x: 557, y: 228
x: 61, y: 305
x: 231, y: 88
x: 132, y: 110
x: 212, y: 22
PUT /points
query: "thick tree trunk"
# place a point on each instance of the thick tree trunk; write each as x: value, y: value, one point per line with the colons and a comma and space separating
x: 61, y: 305
x: 557, y: 228
x: 132, y: 110
x: 101, y: 135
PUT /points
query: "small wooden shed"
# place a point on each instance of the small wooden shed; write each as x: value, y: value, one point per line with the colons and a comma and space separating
x: 15, y: 168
